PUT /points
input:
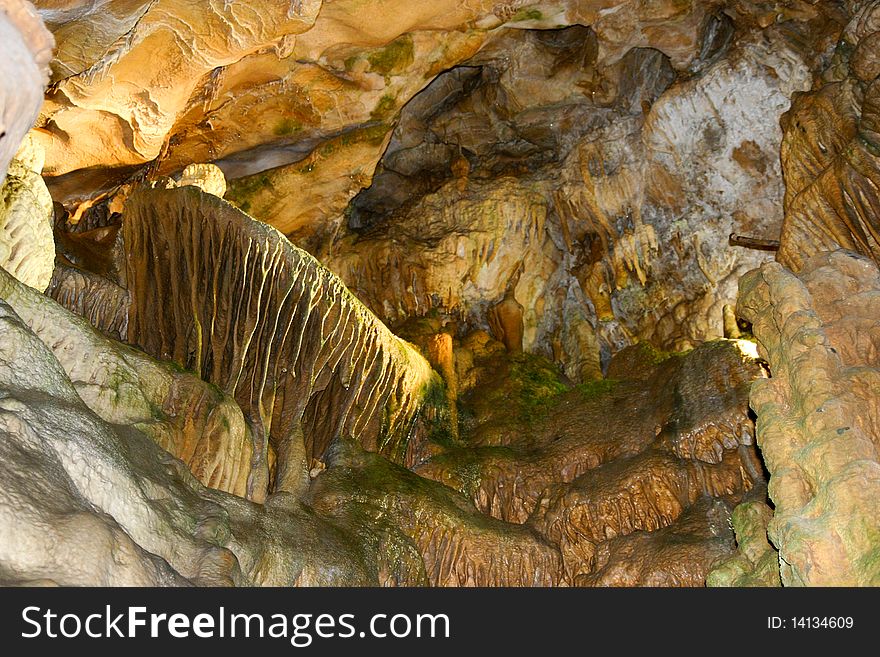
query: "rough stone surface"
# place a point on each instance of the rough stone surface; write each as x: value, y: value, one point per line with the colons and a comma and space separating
x: 187, y: 417
x: 756, y: 563
x: 818, y: 425
x: 678, y: 555
x: 598, y: 199
x: 830, y: 151
x: 27, y: 247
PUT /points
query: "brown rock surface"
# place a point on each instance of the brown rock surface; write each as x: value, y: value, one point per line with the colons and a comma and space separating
x: 668, y: 432
x: 550, y: 204
x: 681, y: 554
x: 459, y: 545
x: 830, y: 152
x: 232, y: 300
x: 817, y: 416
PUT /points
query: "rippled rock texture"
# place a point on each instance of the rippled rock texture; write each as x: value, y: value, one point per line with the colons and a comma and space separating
x: 439, y: 293
x: 830, y: 151
x: 817, y: 417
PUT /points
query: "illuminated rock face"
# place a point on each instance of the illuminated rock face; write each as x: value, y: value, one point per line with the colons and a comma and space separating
x: 830, y: 152
x: 135, y: 81
x: 27, y: 247
x: 386, y: 524
x: 85, y: 502
x: 613, y: 153
x: 536, y: 198
x: 818, y: 424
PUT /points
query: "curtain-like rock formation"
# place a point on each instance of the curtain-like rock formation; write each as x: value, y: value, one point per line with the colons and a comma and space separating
x: 234, y: 301
x: 831, y: 152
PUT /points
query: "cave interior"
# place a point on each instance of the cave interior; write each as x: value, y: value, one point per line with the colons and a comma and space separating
x: 437, y: 293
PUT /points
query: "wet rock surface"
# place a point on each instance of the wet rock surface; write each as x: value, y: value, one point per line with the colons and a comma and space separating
x: 439, y: 293
x: 817, y: 425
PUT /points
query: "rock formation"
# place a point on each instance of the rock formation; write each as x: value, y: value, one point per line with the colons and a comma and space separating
x: 232, y: 300
x: 27, y: 246
x: 27, y: 50
x: 410, y: 293
x: 817, y: 417
x: 186, y: 416
x: 829, y: 153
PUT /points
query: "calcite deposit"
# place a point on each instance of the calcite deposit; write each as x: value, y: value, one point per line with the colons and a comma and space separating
x: 27, y: 246
x: 830, y: 151
x: 817, y: 416
x: 438, y: 293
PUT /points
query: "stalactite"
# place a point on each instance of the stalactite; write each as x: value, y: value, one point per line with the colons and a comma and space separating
x: 233, y: 300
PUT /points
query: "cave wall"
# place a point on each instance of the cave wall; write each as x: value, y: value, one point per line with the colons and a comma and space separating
x: 817, y: 415
x: 529, y: 189
x: 830, y: 151
x: 603, y: 203
x: 624, y: 128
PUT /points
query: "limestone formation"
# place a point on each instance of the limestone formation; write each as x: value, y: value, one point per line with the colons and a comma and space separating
x: 27, y: 49
x: 756, y: 563
x: 89, y: 503
x: 612, y: 188
x: 207, y: 177
x: 232, y: 300
x: 668, y: 432
x: 27, y: 247
x: 458, y: 545
x: 817, y: 416
x: 236, y: 82
x: 679, y: 555
x: 187, y: 417
x: 439, y: 293
x: 830, y: 152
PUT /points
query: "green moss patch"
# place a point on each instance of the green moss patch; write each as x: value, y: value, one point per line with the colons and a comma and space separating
x: 242, y: 190
x: 537, y: 385
x: 527, y: 14
x: 286, y: 127
x: 393, y: 58
x: 597, y: 388
x: 385, y: 107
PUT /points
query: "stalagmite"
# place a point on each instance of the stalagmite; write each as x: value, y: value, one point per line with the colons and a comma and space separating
x: 818, y: 423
